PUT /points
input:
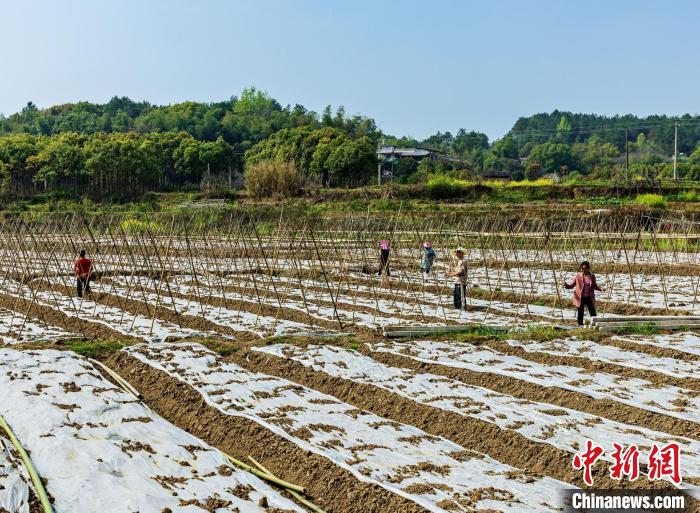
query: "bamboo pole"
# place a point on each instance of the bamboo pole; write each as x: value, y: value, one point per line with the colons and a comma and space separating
x: 33, y: 474
x: 293, y: 493
x: 264, y: 475
x: 124, y: 383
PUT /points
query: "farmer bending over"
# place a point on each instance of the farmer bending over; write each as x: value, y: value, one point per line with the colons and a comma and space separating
x: 460, y: 277
x: 428, y: 257
x: 584, y: 285
x: 83, y: 272
x: 384, y: 258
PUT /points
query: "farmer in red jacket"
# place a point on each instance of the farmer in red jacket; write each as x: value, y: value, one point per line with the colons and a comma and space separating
x: 83, y: 269
x: 584, y: 285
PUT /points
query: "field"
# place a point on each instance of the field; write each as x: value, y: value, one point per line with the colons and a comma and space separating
x: 257, y: 343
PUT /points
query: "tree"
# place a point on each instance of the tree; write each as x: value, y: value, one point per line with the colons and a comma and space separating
x: 594, y: 154
x: 563, y: 129
x: 60, y: 161
x: 326, y: 154
x: 552, y: 158
x: 14, y: 151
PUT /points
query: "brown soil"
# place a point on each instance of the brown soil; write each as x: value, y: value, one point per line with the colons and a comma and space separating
x: 591, y: 365
x: 333, y: 324
x: 136, y: 307
x: 334, y: 489
x: 401, y: 296
x: 55, y: 317
x: 650, y: 349
x: 257, y: 308
x: 397, y: 286
x: 601, y: 268
x: 606, y: 408
x: 508, y: 447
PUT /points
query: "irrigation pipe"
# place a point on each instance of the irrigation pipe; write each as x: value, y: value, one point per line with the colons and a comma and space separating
x: 38, y: 485
x: 293, y: 493
x: 265, y: 475
x: 116, y: 377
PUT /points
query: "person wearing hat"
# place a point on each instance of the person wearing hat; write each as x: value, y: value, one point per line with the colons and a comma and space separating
x: 460, y: 277
x: 428, y: 256
x: 384, y: 258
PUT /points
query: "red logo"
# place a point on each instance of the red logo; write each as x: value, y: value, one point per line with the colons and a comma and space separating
x: 587, y: 459
x: 663, y: 462
x: 626, y: 463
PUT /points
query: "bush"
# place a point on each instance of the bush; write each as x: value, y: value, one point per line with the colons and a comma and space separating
x: 138, y: 227
x: 441, y: 186
x: 271, y: 178
x: 651, y: 200
x: 689, y: 196
x: 540, y: 182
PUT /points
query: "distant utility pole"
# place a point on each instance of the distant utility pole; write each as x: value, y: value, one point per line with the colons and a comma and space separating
x: 627, y: 156
x: 675, y: 152
x: 379, y: 163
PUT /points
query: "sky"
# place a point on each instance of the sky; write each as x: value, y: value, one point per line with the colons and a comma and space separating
x: 416, y: 67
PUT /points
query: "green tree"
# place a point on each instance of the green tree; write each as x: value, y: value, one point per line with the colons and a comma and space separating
x: 552, y: 158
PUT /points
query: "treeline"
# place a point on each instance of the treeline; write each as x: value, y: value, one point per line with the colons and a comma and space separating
x: 569, y: 128
x: 570, y: 146
x: 109, y: 163
x: 240, y: 121
x: 128, y: 147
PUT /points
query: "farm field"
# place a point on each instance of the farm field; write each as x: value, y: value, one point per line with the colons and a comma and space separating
x: 258, y: 344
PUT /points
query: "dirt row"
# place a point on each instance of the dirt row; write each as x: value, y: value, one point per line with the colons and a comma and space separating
x: 590, y: 365
x: 607, y: 408
x: 332, y: 324
x: 136, y: 307
x: 396, y: 285
x: 265, y: 309
x: 334, y: 489
x: 55, y: 317
x: 506, y: 446
x: 663, y: 352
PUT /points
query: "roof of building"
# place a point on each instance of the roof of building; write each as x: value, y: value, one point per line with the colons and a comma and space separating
x: 396, y: 151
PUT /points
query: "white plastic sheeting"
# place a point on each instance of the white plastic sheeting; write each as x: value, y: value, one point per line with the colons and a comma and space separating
x: 102, y: 451
x: 395, y: 456
x: 235, y: 319
x: 687, y: 342
x: 14, y: 483
x: 635, y: 392
x: 563, y: 428
x: 611, y: 354
x: 349, y: 306
x: 117, y: 319
x: 15, y: 328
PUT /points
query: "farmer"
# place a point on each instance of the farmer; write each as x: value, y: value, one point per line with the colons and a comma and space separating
x: 384, y: 258
x: 584, y: 285
x: 460, y: 277
x: 83, y: 272
x: 428, y: 256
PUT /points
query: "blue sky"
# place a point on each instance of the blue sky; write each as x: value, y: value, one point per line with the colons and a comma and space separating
x: 415, y: 66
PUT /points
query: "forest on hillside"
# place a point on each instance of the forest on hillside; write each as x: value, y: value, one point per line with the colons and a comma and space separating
x: 124, y: 147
